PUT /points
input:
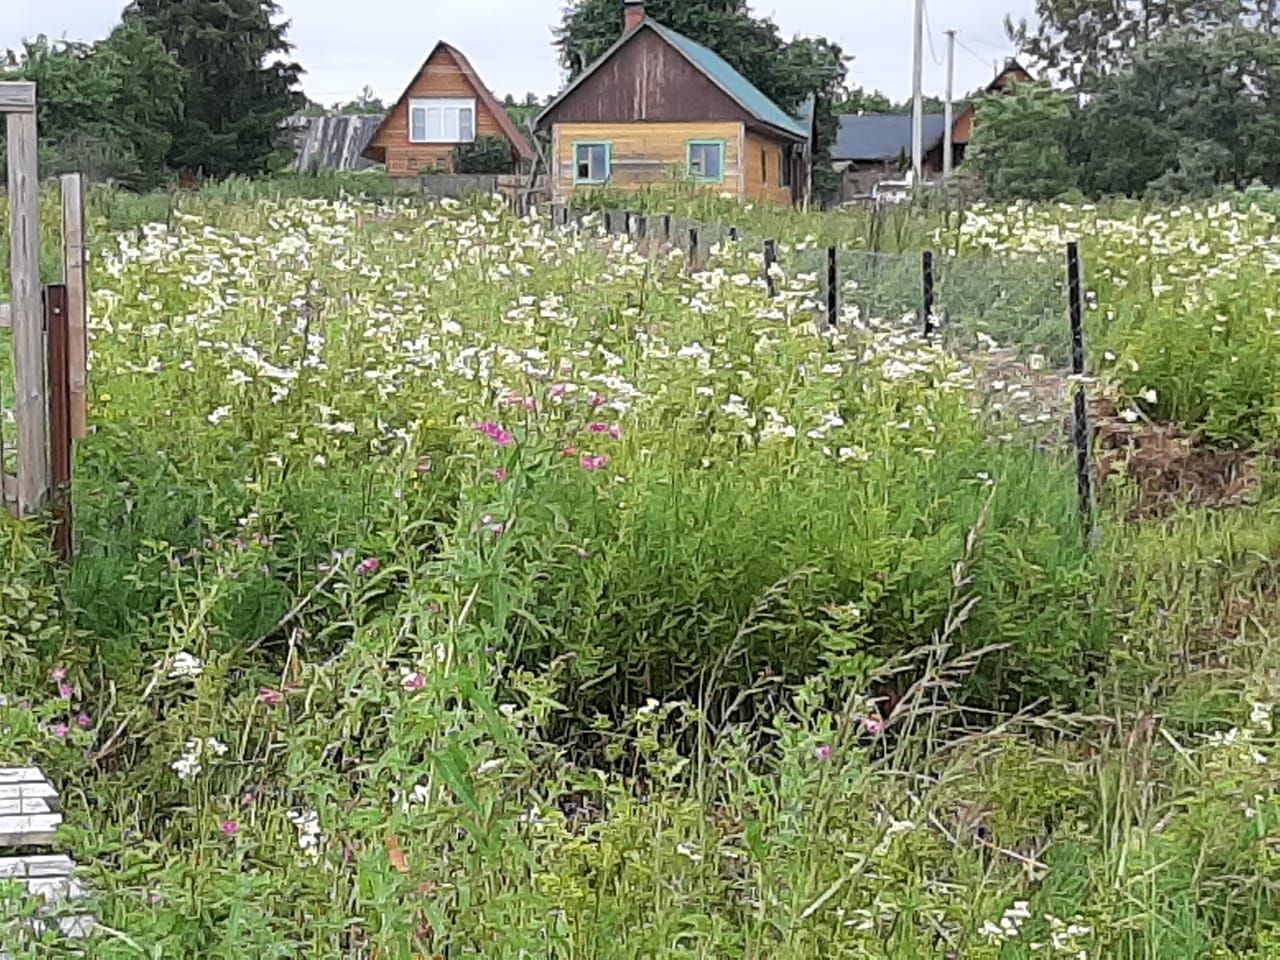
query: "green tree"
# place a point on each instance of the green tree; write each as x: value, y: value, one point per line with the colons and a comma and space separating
x: 105, y: 109
x: 1021, y: 141
x: 787, y: 72
x: 1080, y: 41
x: 1192, y: 111
x: 366, y: 103
x: 238, y: 87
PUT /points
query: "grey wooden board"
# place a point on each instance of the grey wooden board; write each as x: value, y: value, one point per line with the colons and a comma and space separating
x: 30, y: 791
x: 46, y: 865
x: 29, y: 830
x: 17, y: 97
x: 23, y: 805
x: 5, y: 311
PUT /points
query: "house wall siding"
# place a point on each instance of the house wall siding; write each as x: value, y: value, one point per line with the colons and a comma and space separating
x: 647, y: 81
x: 646, y: 153
x: 766, y: 184
x: 442, y: 77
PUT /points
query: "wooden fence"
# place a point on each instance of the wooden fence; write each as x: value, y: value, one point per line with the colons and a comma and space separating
x: 46, y: 332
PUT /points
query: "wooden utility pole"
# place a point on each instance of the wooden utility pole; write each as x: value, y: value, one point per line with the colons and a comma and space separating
x: 917, y: 98
x: 948, y: 138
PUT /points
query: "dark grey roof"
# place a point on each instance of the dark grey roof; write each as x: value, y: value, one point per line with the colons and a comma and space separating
x: 882, y: 136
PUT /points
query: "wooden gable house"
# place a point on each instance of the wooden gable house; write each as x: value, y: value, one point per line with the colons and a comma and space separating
x: 658, y: 107
x: 445, y: 105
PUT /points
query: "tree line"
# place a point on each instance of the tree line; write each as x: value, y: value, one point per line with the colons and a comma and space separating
x: 1147, y: 98
x: 183, y: 88
x: 1141, y: 97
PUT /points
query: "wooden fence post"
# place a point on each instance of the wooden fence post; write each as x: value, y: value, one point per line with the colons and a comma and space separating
x: 77, y: 301
x: 26, y: 314
x: 693, y: 249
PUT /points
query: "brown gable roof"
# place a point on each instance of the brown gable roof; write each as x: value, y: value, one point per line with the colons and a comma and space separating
x: 505, y: 123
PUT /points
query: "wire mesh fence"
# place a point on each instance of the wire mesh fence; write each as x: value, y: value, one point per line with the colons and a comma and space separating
x: 1011, y: 319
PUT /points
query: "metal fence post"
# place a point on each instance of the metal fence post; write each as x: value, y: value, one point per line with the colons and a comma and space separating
x: 1080, y: 431
x: 833, y: 287
x: 770, y: 258
x: 59, y: 379
x: 928, y: 292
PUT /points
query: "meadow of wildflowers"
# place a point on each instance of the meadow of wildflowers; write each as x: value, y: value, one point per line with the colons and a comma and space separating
x: 454, y: 585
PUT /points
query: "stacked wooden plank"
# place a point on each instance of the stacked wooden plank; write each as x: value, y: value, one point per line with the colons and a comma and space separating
x: 29, y: 819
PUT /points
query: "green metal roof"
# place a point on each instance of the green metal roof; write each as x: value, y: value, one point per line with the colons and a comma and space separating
x: 732, y: 82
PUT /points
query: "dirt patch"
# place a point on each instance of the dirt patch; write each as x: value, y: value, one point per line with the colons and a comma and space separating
x: 1168, y: 466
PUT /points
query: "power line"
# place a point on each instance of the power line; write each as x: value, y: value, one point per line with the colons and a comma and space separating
x: 985, y: 61
x: 928, y: 32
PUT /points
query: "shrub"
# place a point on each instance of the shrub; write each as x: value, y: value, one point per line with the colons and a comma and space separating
x: 487, y: 154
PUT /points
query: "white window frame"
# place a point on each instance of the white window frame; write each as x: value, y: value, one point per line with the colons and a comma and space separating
x: 449, y: 118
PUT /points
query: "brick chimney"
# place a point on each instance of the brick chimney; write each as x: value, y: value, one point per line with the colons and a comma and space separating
x: 632, y: 14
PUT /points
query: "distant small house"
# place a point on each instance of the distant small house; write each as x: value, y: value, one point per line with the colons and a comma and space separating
x: 445, y: 105
x: 657, y: 106
x: 873, y: 146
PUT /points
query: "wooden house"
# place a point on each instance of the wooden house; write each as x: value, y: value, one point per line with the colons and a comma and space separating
x: 658, y: 107
x: 873, y: 146
x: 445, y: 105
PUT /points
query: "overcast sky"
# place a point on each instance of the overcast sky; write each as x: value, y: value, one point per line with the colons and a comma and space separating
x: 344, y: 45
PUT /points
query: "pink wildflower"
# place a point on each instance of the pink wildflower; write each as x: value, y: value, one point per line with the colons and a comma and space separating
x: 823, y: 752
x: 597, y: 400
x: 270, y: 697
x: 58, y: 673
x: 61, y: 730
x: 570, y: 451
x: 424, y: 466
x: 594, y: 462
x: 368, y: 565
x: 66, y: 691
x: 872, y: 725
x: 495, y: 433
x: 230, y: 828
x: 412, y: 680
x: 84, y: 721
x: 500, y: 474
x: 611, y: 429
x: 559, y: 390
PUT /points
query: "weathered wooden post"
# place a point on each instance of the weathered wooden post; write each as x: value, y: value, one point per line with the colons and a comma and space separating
x: 74, y: 270
x: 30, y: 488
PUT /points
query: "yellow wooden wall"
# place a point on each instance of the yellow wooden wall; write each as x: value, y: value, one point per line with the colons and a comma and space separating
x: 646, y: 153
x: 765, y: 183
x: 441, y: 78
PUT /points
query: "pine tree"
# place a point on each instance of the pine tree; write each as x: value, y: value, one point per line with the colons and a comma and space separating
x: 238, y: 85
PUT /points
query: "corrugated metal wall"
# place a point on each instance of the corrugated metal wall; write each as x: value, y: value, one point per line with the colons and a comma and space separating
x: 333, y: 143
